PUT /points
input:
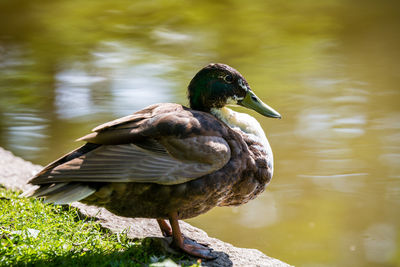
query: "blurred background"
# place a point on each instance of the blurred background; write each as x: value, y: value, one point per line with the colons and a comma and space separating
x: 331, y: 68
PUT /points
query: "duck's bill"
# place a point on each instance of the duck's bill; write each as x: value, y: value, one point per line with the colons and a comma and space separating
x: 251, y: 101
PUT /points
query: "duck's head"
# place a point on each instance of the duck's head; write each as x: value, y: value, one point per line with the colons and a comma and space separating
x: 218, y: 85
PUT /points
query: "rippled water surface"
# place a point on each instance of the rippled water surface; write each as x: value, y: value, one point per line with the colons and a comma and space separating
x: 331, y: 68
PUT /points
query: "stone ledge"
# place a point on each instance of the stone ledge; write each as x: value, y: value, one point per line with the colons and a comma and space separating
x: 14, y: 173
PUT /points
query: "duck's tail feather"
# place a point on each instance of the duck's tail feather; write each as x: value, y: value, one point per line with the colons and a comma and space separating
x: 60, y: 193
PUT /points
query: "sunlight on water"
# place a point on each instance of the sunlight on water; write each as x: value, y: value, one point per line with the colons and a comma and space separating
x: 331, y: 68
x: 23, y: 130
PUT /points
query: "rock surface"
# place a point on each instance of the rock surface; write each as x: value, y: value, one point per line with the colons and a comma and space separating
x: 14, y: 173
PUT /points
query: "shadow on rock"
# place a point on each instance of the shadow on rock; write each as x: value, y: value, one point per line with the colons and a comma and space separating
x: 162, y: 244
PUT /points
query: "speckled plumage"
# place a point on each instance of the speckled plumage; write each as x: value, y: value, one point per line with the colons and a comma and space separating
x: 241, y: 179
x: 168, y: 161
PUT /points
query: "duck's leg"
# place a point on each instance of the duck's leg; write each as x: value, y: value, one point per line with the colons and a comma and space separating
x: 188, y: 245
x: 165, y: 228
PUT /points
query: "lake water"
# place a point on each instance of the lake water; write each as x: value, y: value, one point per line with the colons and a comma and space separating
x: 331, y: 68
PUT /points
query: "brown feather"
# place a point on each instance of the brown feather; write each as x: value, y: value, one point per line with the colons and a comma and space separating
x: 236, y: 170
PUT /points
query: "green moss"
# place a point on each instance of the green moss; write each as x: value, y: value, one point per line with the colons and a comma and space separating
x: 36, y: 234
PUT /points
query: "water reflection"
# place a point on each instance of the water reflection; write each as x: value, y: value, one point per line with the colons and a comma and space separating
x: 127, y: 83
x: 380, y: 243
x: 258, y: 214
x: 73, y: 95
x: 168, y: 37
x: 25, y: 129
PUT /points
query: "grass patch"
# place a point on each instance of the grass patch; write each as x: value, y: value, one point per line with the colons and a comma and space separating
x: 36, y: 234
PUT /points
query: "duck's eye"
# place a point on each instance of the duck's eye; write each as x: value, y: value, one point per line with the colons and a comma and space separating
x: 228, y: 78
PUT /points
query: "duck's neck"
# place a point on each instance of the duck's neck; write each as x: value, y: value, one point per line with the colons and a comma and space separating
x: 243, y: 122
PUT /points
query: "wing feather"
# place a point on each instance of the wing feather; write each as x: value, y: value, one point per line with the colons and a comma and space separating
x: 186, y: 159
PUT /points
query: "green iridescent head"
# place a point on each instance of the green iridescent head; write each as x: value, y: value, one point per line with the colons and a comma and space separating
x: 218, y: 85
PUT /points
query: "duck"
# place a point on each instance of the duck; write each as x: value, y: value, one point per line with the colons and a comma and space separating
x: 170, y: 162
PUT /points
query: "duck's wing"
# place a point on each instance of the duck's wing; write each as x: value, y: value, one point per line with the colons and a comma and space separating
x: 151, y: 150
x: 192, y: 158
